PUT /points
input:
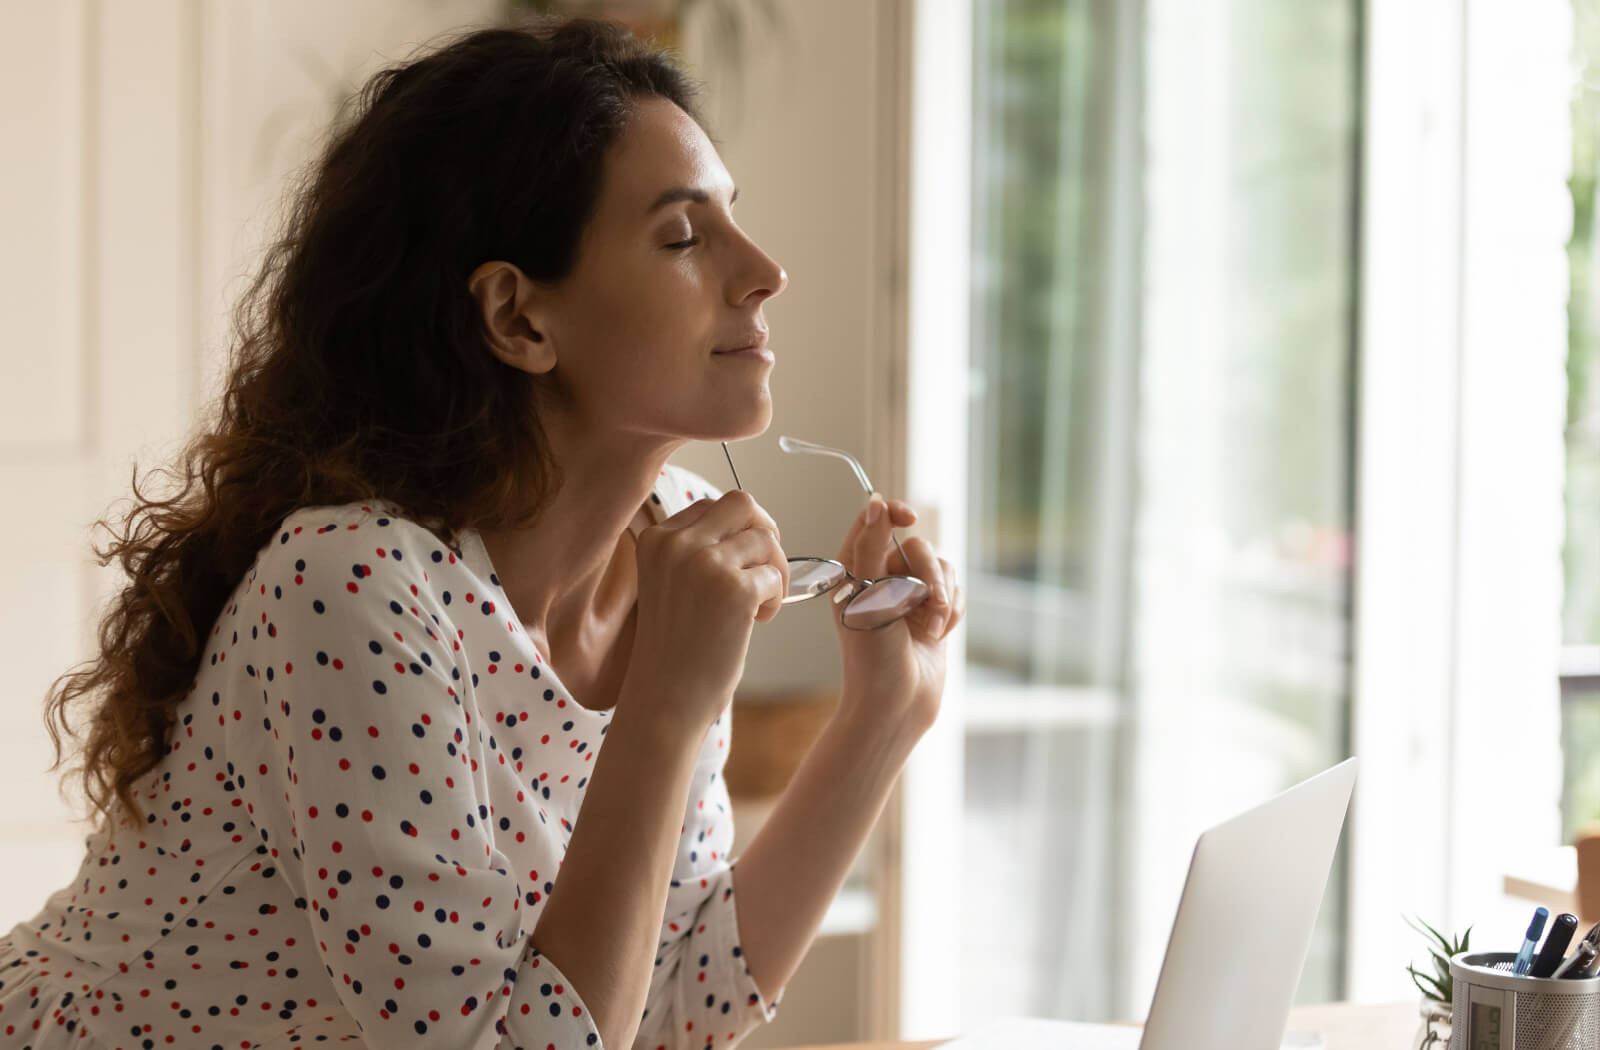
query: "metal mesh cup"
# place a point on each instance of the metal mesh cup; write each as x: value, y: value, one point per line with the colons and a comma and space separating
x: 1493, y: 1008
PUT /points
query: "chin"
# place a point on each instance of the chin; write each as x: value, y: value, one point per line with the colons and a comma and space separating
x: 751, y: 423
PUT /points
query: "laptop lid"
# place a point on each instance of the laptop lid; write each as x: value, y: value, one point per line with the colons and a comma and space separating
x: 1244, y: 922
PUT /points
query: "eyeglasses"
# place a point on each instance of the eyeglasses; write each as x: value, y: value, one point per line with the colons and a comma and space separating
x: 869, y: 604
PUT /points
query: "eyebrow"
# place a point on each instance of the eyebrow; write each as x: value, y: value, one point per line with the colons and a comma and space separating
x: 687, y: 193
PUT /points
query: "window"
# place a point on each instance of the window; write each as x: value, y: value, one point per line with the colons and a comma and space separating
x: 1160, y: 464
x: 1580, y: 670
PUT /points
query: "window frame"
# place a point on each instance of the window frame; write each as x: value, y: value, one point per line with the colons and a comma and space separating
x: 1458, y: 501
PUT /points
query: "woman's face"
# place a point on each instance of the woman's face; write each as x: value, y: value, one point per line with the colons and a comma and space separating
x: 664, y: 279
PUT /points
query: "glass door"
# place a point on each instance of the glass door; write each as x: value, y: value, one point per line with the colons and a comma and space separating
x: 1161, y: 426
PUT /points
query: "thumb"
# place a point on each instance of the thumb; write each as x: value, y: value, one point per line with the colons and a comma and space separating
x: 869, y: 550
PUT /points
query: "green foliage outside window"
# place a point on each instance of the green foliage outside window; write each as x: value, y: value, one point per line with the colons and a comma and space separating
x: 1581, y: 553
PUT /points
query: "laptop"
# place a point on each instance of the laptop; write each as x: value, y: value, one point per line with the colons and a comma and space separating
x: 1239, y: 940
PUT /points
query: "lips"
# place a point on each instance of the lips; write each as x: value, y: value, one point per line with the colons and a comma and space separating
x: 748, y: 341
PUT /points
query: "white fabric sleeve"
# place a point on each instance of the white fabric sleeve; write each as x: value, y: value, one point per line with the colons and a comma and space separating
x: 701, y: 992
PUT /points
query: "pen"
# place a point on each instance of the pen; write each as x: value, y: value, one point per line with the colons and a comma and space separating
x: 1580, y: 963
x: 1535, y: 928
x: 1555, y: 945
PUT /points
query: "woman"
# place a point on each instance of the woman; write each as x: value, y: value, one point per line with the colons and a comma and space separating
x: 430, y: 558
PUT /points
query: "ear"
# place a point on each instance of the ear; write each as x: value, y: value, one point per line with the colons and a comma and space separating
x: 511, y: 305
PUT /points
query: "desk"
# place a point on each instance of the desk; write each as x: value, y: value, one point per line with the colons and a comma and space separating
x: 1346, y: 1026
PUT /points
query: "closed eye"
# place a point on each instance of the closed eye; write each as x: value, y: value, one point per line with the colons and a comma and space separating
x: 691, y: 242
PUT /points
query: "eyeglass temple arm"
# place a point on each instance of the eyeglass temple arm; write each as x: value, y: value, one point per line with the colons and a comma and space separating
x: 789, y: 444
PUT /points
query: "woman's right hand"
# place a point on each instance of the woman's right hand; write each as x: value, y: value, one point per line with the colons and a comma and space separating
x: 707, y: 575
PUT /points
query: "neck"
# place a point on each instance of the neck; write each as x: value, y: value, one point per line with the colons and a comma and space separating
x: 554, y: 570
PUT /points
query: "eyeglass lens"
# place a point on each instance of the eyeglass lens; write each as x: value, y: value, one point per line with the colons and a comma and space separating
x: 883, y: 602
x: 879, y: 603
x: 808, y: 577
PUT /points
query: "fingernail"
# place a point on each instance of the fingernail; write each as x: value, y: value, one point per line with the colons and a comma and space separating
x: 874, y: 509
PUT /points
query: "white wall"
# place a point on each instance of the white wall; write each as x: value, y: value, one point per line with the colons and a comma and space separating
x: 97, y: 304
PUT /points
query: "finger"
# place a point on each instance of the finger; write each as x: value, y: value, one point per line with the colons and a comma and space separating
x: 774, y: 584
x: 735, y: 511
x: 751, y: 547
x: 750, y: 550
x: 952, y: 602
x: 927, y: 566
x: 924, y: 563
x: 902, y: 514
x: 848, y: 547
x: 688, y: 515
x: 958, y: 608
x: 775, y: 558
x: 869, y: 547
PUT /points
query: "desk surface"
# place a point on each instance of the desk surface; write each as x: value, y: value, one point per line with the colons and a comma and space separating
x: 1346, y: 1026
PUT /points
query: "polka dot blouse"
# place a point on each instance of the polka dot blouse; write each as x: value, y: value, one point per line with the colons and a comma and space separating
x: 360, y: 816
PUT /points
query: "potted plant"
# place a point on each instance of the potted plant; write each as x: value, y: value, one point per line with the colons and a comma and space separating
x: 1437, y: 988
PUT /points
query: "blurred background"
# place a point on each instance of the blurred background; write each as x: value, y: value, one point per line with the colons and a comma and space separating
x: 1244, y: 356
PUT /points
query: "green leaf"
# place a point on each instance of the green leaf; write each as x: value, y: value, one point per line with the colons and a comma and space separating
x: 1443, y: 943
x: 1446, y: 949
x: 1439, y: 991
x: 1441, y: 950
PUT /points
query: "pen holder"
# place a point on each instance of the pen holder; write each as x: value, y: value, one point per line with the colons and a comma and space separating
x: 1495, y: 1010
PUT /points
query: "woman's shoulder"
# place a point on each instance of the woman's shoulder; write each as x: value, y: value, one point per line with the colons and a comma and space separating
x: 361, y: 518
x: 356, y: 537
x: 357, y: 573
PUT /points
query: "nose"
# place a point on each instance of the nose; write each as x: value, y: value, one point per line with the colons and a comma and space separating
x: 761, y: 277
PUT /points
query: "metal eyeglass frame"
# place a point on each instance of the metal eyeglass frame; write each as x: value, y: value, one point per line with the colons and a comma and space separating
x: 858, y: 586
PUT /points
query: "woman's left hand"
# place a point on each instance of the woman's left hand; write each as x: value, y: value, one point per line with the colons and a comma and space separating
x: 896, y: 672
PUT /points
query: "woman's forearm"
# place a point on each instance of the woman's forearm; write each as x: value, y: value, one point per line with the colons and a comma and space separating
x: 789, y: 875
x: 601, y: 926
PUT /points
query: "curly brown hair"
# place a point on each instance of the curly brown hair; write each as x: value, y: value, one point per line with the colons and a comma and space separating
x: 359, y: 368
